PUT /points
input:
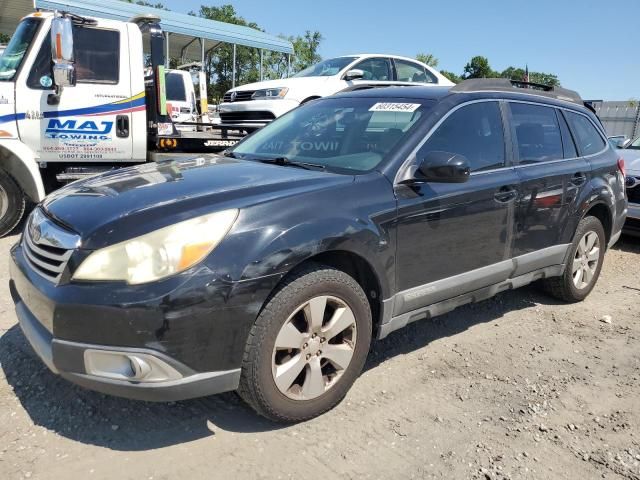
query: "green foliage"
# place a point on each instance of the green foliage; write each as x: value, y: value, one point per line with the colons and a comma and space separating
x: 536, y: 77
x: 428, y: 59
x: 4, y: 38
x: 478, y: 67
x: 451, y: 76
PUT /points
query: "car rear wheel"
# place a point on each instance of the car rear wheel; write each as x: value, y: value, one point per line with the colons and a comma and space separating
x: 307, y: 347
x: 584, y: 263
x: 12, y: 203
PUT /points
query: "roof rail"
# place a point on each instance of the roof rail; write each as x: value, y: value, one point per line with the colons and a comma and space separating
x: 507, y: 85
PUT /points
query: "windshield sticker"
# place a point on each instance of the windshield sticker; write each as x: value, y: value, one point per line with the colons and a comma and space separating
x: 395, y: 107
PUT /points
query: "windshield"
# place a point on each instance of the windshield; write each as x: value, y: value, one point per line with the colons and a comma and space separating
x: 635, y: 145
x: 175, y: 88
x: 12, y: 57
x: 326, y: 68
x: 345, y: 135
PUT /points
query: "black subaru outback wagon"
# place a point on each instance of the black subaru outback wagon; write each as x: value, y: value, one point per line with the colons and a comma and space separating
x: 270, y: 269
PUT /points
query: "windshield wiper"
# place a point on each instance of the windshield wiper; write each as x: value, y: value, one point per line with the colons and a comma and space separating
x: 285, y: 162
x: 230, y: 154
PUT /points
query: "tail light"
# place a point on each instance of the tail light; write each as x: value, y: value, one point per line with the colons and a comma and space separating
x: 621, y: 166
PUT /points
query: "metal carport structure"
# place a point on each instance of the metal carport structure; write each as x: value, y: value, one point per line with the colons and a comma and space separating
x: 182, y: 32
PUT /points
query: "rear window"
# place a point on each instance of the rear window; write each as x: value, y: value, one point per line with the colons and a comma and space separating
x: 175, y: 88
x: 587, y: 137
x: 537, y: 133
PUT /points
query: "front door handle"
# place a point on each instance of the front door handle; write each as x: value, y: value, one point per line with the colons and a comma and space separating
x: 506, y: 194
x: 579, y: 179
x: 122, y: 126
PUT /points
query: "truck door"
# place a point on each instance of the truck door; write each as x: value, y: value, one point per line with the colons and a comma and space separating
x: 92, y: 121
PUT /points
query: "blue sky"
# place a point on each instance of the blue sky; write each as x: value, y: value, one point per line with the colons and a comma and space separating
x: 587, y: 43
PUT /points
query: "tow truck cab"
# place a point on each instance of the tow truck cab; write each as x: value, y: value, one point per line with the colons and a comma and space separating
x: 76, y: 99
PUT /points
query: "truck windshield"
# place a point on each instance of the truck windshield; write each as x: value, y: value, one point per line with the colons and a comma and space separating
x: 175, y: 88
x: 342, y: 135
x: 326, y: 68
x: 12, y: 57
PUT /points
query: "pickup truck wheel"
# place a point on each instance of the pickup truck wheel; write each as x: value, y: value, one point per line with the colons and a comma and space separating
x: 12, y: 203
x: 307, y: 347
x: 584, y: 263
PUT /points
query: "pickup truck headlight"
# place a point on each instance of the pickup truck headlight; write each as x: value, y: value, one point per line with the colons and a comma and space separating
x: 158, y: 254
x: 270, y: 93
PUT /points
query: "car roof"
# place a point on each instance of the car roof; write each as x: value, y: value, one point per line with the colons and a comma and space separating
x: 407, y: 91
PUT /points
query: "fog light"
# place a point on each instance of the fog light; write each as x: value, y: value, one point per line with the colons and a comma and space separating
x: 137, y: 367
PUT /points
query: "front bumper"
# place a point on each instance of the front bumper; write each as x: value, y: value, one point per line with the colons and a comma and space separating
x: 199, y: 339
x: 241, y: 112
x: 632, y: 225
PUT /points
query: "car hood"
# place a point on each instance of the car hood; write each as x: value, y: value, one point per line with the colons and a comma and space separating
x: 8, y: 127
x: 290, y: 83
x: 125, y: 203
x: 631, y: 160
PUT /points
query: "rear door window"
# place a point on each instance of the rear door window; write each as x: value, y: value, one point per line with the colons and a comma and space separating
x: 536, y: 133
x: 587, y: 137
x: 412, y: 72
x: 375, y: 69
x: 474, y: 131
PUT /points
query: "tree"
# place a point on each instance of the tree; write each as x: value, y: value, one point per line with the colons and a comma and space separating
x: 536, y: 77
x: 428, y: 59
x: 4, y: 38
x: 451, y: 76
x: 306, y: 50
x: 478, y: 67
x: 148, y: 4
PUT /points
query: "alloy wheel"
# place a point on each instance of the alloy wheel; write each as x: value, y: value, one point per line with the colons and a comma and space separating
x: 585, y: 262
x: 314, y: 348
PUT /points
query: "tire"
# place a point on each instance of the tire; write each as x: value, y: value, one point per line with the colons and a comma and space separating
x: 12, y: 203
x: 321, y: 382
x: 579, y: 267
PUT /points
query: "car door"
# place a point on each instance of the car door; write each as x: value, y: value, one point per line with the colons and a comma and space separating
x: 456, y: 237
x: 551, y: 175
x: 91, y: 121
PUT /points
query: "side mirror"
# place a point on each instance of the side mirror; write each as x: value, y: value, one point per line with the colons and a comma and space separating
x: 354, y: 74
x: 64, y: 74
x: 443, y: 167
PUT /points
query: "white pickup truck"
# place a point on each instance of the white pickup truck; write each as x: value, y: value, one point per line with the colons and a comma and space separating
x: 86, y: 105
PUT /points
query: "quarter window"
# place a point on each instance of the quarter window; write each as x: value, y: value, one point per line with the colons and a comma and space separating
x: 537, y: 133
x: 568, y: 145
x: 588, y: 139
x: 412, y: 72
x: 375, y: 69
x: 97, y: 55
x: 474, y: 131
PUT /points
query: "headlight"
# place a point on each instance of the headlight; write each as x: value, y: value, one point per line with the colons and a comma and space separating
x: 269, y: 93
x: 160, y: 253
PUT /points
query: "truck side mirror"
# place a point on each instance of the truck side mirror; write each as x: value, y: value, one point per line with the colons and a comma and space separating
x: 64, y: 74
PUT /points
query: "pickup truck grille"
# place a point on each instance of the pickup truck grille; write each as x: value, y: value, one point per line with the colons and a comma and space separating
x: 45, y: 246
x: 241, y: 96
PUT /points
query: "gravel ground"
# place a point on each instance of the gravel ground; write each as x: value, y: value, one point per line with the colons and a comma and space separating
x: 519, y: 386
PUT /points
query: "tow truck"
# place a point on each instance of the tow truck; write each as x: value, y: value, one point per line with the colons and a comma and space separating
x: 82, y: 95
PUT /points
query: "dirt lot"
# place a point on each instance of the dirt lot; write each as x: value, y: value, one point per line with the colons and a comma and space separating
x: 516, y: 387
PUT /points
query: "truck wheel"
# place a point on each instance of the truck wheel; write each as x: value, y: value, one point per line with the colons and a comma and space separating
x: 307, y: 347
x: 584, y: 264
x: 12, y: 203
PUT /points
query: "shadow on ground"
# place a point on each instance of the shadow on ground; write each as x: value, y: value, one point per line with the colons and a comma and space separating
x: 127, y: 425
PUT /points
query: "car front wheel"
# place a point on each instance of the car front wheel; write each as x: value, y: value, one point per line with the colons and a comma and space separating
x: 307, y: 347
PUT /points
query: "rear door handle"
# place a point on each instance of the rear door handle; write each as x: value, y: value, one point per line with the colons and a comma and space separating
x: 506, y: 194
x: 578, y: 179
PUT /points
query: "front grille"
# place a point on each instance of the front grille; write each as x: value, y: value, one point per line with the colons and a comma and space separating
x: 241, y: 96
x: 239, y: 117
x: 633, y: 194
x: 45, y: 246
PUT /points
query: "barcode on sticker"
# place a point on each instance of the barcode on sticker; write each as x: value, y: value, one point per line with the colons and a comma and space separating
x: 395, y: 107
